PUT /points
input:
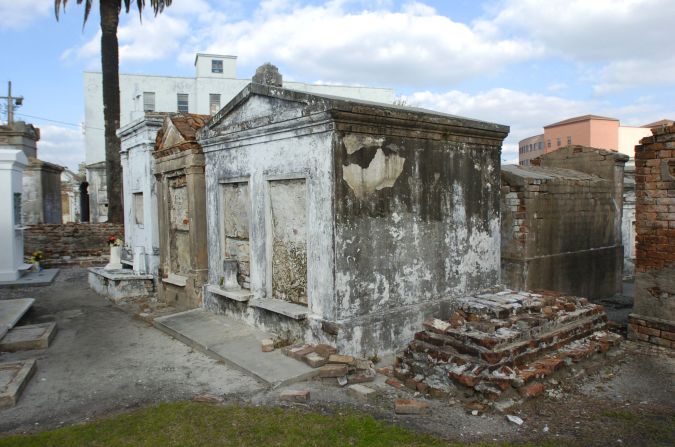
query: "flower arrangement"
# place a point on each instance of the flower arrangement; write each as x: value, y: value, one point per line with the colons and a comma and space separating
x: 113, y: 240
x: 37, y: 256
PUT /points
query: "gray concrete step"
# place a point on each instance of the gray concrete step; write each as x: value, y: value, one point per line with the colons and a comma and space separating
x: 235, y: 343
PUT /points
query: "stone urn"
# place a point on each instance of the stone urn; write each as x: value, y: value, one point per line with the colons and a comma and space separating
x: 115, y: 258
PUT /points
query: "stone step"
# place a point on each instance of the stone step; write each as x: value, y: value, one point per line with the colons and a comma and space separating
x: 510, y: 352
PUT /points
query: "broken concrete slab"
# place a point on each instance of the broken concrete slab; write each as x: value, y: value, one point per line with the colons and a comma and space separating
x: 25, y: 338
x: 235, y: 343
x: 11, y: 311
x: 33, y: 279
x: 14, y: 377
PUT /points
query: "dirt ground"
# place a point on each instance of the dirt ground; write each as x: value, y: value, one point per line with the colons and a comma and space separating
x: 104, y: 360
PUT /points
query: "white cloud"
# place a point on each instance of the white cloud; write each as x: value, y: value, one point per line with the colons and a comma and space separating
x: 619, y: 44
x: 61, y: 145
x: 153, y: 39
x: 623, y: 74
x: 525, y: 113
x: 413, y: 46
x: 16, y: 15
x: 592, y: 30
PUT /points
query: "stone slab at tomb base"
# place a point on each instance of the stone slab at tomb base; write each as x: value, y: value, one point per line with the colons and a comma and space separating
x: 33, y: 279
x: 121, y: 285
x: 504, y: 344
x: 14, y: 377
x: 235, y: 343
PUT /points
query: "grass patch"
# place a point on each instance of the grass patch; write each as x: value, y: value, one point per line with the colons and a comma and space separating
x: 195, y: 424
x: 622, y: 415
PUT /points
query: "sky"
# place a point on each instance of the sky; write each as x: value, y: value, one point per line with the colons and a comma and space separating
x: 522, y: 63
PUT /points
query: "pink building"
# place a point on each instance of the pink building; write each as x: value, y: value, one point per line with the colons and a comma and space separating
x: 588, y: 130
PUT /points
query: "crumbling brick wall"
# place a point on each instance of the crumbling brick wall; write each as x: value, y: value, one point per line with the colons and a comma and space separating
x: 653, y: 317
x: 72, y: 239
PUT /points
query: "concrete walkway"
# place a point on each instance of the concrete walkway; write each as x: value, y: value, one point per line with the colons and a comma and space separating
x: 235, y: 343
x: 103, y: 360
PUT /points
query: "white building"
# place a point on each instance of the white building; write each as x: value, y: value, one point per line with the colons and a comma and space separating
x: 215, y: 83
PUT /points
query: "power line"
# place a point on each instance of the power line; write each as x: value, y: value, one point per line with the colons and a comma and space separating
x: 58, y: 122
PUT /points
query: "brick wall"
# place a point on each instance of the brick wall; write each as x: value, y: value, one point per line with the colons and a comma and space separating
x: 653, y: 317
x: 72, y: 239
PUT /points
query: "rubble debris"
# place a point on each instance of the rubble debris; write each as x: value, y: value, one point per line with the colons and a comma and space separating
x: 267, y: 345
x: 504, y: 344
x: 515, y: 419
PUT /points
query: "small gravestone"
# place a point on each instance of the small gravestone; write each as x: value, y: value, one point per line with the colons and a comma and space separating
x: 24, y: 338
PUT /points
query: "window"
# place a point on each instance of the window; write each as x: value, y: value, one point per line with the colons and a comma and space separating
x: 540, y: 145
x: 569, y: 140
x: 214, y: 103
x: 558, y: 142
x: 216, y: 66
x: 548, y: 143
x: 183, y: 103
x: 148, y: 101
x: 138, y: 207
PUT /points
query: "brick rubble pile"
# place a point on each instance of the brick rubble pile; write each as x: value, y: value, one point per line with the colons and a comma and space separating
x: 503, y: 344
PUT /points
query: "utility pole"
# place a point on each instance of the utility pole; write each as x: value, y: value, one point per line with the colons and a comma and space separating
x: 11, y: 103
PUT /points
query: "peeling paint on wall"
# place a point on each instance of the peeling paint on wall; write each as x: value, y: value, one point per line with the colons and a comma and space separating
x: 381, y: 173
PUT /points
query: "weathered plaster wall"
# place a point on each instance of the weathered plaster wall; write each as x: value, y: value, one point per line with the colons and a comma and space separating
x: 628, y: 224
x: 402, y: 212
x: 260, y: 162
x: 417, y: 223
x: 42, y: 193
x: 558, y: 232
x: 182, y: 230
x: 139, y: 191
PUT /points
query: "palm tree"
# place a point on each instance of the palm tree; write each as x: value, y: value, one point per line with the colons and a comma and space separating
x: 110, y: 11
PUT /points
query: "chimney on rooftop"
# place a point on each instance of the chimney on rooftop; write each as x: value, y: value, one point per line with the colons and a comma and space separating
x: 267, y: 74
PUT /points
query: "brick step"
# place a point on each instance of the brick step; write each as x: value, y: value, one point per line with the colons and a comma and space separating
x: 510, y: 352
x: 493, y: 381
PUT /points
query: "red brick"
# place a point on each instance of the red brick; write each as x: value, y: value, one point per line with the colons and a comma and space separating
x: 410, y: 406
x: 668, y: 335
x: 649, y: 331
x: 294, y: 395
x: 394, y: 382
x: 532, y: 390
